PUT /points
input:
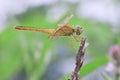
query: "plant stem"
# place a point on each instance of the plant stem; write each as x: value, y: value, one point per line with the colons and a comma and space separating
x: 79, y: 59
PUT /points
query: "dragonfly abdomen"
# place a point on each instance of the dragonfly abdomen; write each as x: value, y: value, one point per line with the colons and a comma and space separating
x: 49, y: 31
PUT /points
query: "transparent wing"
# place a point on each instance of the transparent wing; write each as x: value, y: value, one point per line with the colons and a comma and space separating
x: 63, y: 31
x: 65, y: 21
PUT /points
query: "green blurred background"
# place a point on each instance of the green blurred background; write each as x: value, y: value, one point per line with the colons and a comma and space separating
x: 30, y: 55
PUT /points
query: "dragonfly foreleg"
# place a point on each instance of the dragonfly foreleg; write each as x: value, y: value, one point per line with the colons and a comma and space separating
x: 77, y: 38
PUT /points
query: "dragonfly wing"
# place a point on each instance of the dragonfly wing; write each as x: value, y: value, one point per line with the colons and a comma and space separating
x: 65, y: 21
x: 64, y: 31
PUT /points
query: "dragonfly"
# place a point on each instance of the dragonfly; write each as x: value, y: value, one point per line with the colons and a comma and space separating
x: 64, y: 29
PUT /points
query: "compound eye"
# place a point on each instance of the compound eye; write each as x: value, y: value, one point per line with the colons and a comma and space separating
x: 78, y: 30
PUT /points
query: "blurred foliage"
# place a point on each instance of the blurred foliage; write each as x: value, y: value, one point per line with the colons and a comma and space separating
x: 28, y: 50
x: 18, y: 48
x: 105, y: 76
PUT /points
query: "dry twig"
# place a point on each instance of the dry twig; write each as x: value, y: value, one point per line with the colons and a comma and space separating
x: 79, y: 59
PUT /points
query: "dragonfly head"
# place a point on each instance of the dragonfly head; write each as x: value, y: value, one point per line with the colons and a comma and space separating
x: 78, y: 30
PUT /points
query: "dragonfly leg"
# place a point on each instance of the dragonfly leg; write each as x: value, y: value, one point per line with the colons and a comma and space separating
x: 77, y: 38
x: 50, y: 37
x: 71, y: 42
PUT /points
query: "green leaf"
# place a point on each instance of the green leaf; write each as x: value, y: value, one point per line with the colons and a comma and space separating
x: 91, y: 66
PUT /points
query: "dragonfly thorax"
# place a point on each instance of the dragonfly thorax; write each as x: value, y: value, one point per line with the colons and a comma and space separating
x: 78, y: 30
